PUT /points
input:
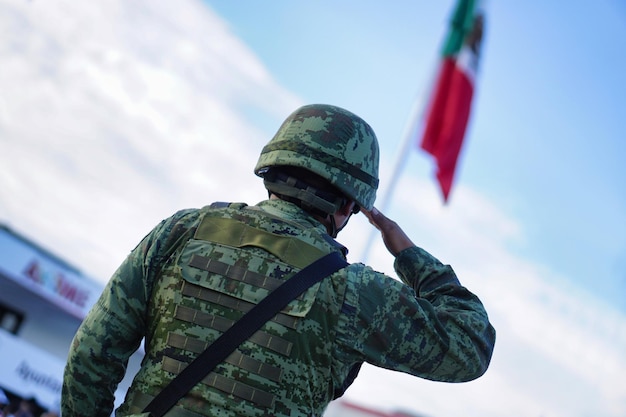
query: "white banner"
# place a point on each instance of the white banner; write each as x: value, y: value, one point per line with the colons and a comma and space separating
x: 43, y: 275
x: 29, y: 371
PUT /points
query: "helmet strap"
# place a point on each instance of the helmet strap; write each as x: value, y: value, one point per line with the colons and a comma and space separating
x: 301, y: 193
x: 334, y: 230
x: 333, y: 227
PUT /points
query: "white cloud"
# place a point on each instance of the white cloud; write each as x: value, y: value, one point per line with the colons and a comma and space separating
x: 115, y: 114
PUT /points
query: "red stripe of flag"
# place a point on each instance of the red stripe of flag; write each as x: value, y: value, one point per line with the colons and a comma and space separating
x: 450, y: 104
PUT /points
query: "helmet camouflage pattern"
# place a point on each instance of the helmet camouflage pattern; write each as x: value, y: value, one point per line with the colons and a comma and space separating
x: 331, y: 142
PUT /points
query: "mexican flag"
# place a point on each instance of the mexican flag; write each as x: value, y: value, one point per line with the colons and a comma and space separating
x: 450, y: 103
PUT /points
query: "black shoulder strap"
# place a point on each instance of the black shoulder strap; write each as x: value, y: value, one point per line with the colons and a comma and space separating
x: 242, y: 330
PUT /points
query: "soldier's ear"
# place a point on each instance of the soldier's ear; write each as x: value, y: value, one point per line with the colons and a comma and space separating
x: 349, y: 207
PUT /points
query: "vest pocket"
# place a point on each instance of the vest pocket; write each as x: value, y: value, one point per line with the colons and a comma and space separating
x: 246, y: 275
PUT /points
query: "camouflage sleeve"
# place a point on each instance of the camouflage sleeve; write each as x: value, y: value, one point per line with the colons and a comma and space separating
x: 429, y: 326
x: 112, y: 331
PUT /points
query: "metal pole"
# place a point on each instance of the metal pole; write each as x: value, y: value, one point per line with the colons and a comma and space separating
x: 409, y: 137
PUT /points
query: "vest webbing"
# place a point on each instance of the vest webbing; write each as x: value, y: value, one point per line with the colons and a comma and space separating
x: 235, y: 233
x: 229, y: 340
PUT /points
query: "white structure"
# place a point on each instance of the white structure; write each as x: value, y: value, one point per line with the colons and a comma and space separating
x: 42, y: 302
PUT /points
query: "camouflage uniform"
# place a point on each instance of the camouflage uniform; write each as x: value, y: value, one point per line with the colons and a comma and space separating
x: 199, y: 271
x: 430, y: 326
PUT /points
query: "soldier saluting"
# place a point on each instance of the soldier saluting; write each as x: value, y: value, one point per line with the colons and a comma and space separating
x: 198, y: 272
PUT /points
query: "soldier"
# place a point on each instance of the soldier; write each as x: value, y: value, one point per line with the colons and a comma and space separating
x: 199, y: 271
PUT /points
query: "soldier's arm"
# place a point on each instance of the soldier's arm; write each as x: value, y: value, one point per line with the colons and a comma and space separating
x: 429, y: 326
x: 112, y: 331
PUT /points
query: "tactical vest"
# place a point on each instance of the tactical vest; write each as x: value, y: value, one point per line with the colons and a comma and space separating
x: 236, y: 256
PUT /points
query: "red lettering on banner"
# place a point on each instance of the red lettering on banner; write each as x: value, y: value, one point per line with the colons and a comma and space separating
x: 33, y: 271
x: 59, y: 285
x: 70, y: 292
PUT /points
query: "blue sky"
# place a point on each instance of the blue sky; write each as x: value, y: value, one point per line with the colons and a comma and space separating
x: 114, y: 114
x: 545, y: 139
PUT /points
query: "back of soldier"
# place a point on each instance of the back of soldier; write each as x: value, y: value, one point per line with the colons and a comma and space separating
x: 319, y: 169
x: 236, y: 256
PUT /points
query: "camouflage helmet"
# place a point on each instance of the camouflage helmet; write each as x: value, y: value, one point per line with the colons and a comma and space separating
x: 331, y: 142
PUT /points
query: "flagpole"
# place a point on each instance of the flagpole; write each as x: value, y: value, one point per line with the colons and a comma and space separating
x: 460, y: 38
x: 409, y: 137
